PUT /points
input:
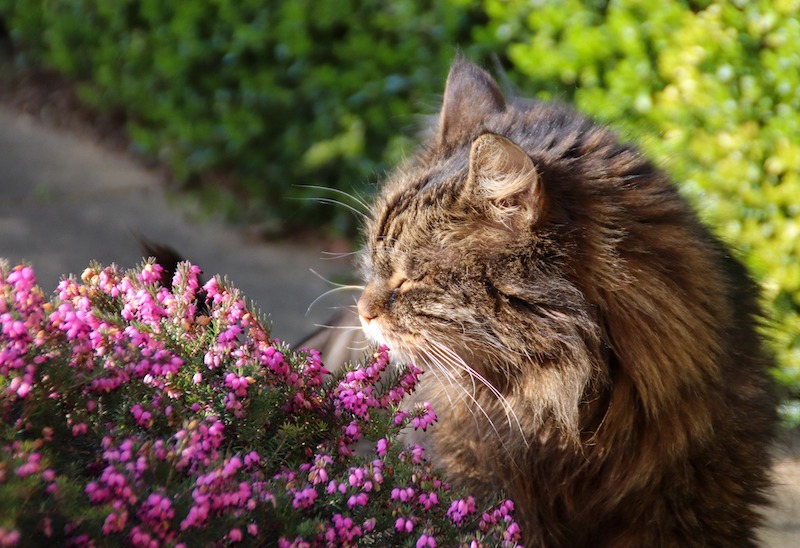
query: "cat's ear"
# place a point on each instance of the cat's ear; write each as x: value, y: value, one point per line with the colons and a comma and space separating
x: 469, y: 96
x: 503, y: 178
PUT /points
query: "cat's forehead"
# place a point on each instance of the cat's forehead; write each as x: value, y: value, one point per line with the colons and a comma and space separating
x: 415, y: 196
x: 408, y: 210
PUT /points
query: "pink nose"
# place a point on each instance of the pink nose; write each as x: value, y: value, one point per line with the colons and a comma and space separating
x: 366, y: 309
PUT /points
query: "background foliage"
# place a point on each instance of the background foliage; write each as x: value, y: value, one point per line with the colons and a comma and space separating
x: 246, y: 99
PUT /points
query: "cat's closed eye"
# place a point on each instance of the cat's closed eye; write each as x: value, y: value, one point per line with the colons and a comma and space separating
x: 399, y: 286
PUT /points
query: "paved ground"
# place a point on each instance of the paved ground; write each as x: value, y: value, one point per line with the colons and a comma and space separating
x: 64, y: 200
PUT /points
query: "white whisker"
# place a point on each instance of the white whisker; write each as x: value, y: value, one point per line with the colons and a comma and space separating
x: 451, y: 357
x: 472, y: 399
x: 334, y: 290
x: 359, y: 214
x: 331, y: 282
x: 356, y: 199
x: 433, y: 365
x: 331, y: 256
x: 345, y: 327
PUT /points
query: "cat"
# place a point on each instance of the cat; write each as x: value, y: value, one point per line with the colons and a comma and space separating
x: 590, y: 348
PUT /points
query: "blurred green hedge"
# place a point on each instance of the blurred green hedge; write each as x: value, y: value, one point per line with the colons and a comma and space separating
x: 247, y: 99
x: 259, y: 97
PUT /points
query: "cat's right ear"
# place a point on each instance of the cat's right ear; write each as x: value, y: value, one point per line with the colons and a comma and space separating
x: 470, y: 95
x: 503, y: 180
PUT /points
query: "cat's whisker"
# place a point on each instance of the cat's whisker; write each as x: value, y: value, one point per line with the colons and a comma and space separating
x: 342, y: 327
x: 331, y: 291
x: 455, y: 388
x: 459, y: 363
x: 434, y: 364
x: 331, y: 256
x: 402, y: 349
x: 476, y: 404
x: 361, y: 202
x: 331, y: 282
x: 360, y: 214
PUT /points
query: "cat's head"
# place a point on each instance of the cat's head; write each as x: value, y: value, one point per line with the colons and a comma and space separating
x: 498, y: 251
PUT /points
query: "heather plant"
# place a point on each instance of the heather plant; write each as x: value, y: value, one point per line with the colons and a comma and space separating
x: 132, y: 413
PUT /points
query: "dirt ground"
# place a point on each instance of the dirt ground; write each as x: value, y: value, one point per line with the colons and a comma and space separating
x: 783, y: 528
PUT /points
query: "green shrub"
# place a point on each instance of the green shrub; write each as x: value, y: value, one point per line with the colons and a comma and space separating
x: 711, y: 90
x: 255, y: 97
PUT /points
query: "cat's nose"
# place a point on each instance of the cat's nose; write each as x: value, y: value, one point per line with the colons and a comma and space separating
x: 367, y: 307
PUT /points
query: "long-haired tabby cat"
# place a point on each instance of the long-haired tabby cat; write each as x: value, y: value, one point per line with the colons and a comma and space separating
x: 591, y: 348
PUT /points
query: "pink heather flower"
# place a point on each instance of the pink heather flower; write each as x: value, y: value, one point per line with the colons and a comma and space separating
x: 460, y: 509
x: 404, y: 524
x: 426, y: 418
x: 344, y: 530
x: 141, y: 416
x: 235, y: 535
x: 214, y: 292
x: 404, y: 495
x: 151, y: 274
x: 22, y: 277
x: 304, y: 498
x: 426, y: 540
x: 353, y: 431
x: 115, y: 522
x: 231, y: 466
x: 212, y: 358
x: 252, y: 459
x: 20, y: 386
x: 513, y: 533
x: 31, y: 466
x: 229, y: 335
x: 9, y: 537
x: 401, y: 416
x: 356, y: 477
x: 428, y: 500
x: 360, y: 499
x: 381, y: 446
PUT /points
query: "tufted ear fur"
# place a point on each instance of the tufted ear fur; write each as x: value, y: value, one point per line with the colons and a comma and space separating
x: 469, y: 96
x: 503, y: 178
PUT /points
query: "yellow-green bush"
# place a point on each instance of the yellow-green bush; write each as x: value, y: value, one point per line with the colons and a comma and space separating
x: 711, y: 90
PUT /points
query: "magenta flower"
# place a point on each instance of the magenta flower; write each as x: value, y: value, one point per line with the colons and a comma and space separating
x: 426, y: 540
x: 304, y: 498
x: 173, y: 421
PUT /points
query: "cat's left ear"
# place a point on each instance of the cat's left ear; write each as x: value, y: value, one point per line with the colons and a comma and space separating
x: 470, y: 96
x: 504, y: 179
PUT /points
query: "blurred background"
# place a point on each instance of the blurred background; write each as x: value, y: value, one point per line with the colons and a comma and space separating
x: 246, y: 104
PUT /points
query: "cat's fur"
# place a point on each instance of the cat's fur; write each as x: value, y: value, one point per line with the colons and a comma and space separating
x: 590, y: 347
